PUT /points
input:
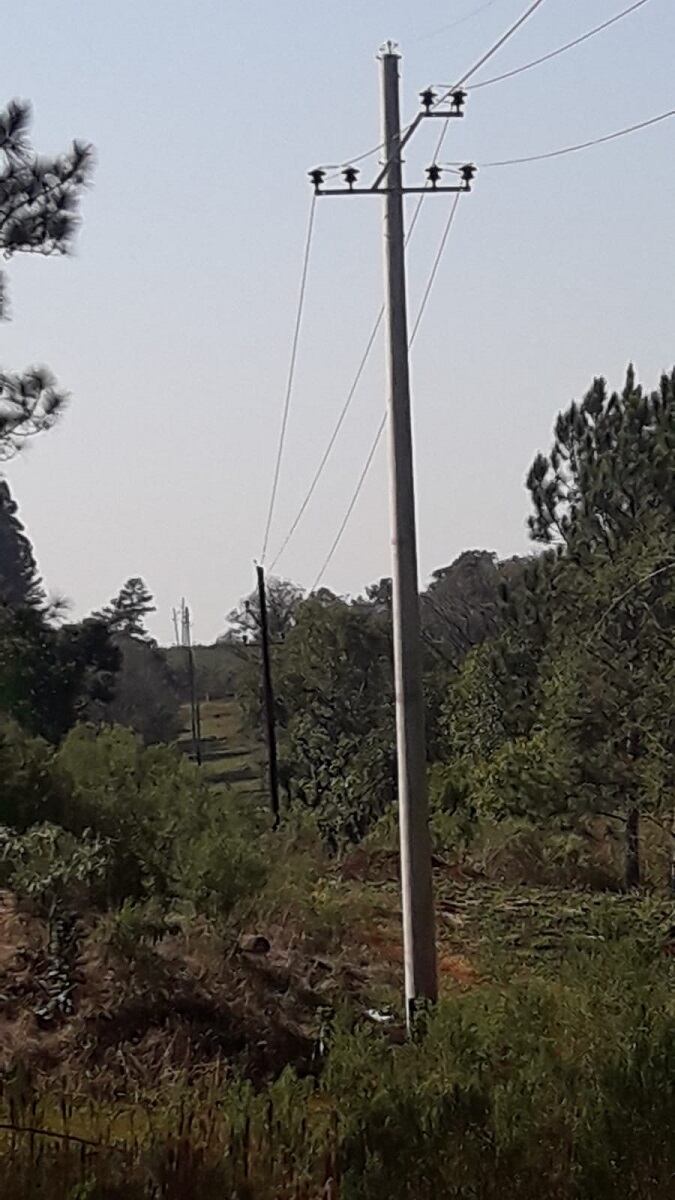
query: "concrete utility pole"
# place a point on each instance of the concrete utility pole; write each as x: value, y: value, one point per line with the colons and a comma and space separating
x: 419, y: 940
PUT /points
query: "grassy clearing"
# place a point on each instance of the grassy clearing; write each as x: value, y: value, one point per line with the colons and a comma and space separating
x: 231, y: 758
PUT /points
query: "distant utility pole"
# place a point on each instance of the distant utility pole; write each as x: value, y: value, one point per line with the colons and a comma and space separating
x: 268, y: 699
x: 195, y: 711
x: 419, y: 940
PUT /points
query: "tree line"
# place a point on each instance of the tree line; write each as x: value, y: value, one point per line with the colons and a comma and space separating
x: 550, y: 678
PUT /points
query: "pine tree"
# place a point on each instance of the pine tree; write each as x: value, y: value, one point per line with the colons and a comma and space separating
x: 20, y: 583
x: 126, y: 612
x: 605, y: 498
x: 39, y: 198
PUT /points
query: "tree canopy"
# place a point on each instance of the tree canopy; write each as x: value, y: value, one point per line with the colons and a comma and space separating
x: 572, y: 709
x: 243, y: 621
x: 39, y: 214
x: 19, y: 579
x: 126, y: 612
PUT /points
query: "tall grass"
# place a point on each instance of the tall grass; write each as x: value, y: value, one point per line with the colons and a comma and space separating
x: 538, y: 1088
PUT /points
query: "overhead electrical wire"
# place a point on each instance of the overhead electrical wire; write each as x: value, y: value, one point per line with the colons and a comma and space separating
x: 350, y: 162
x: 609, y: 137
x: 484, y: 58
x: 337, y: 167
x: 333, y: 437
x: 493, y: 49
x: 352, y: 503
x: 528, y: 66
x: 343, y: 412
x: 357, y: 377
x: 291, y: 375
x: 467, y: 75
x: 505, y: 162
x: 475, y: 12
x: 536, y: 62
x: 381, y: 427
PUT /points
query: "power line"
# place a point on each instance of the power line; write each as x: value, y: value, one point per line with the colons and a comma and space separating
x: 349, y: 162
x: 333, y: 437
x: 360, y: 369
x: 561, y: 49
x: 291, y: 375
x: 610, y: 137
x: 493, y: 49
x: 434, y: 269
x: 352, y: 502
x: 383, y: 422
x: 454, y: 24
x: 481, y: 62
x: 350, y: 396
x: 439, y: 145
x: 502, y: 163
x: 467, y: 75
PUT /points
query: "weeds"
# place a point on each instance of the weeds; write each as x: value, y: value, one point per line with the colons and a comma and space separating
x: 545, y: 1089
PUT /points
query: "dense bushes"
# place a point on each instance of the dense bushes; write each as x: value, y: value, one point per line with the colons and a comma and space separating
x: 532, y: 1088
x: 146, y: 696
x: 157, y: 829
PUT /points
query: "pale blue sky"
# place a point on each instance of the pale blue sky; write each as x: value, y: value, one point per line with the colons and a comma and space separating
x: 171, y: 326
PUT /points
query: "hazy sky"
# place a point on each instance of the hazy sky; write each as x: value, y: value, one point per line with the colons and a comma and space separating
x: 171, y: 325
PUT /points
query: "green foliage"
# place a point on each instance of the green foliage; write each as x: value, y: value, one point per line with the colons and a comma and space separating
x: 126, y: 613
x: 461, y: 608
x: 170, y: 836
x: 610, y: 465
x: 49, y: 676
x: 220, y: 865
x: 39, y: 198
x: 30, y: 793
x: 570, y: 710
x: 282, y: 600
x: 131, y: 930
x: 145, y: 695
x: 217, y: 670
x: 19, y: 579
x: 30, y: 403
x: 524, y: 1088
x: 539, y: 1088
x: 51, y: 868
x: 335, y: 704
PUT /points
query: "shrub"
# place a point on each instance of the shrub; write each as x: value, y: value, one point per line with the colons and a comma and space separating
x: 539, y: 1089
x: 169, y: 835
x: 30, y: 792
x: 146, y: 696
x: 52, y: 868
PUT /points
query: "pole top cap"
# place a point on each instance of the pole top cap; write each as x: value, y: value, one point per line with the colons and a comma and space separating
x: 389, y: 49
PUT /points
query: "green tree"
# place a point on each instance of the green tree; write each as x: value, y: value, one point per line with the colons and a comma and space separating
x: 128, y: 609
x: 50, y: 677
x: 30, y: 794
x: 145, y: 695
x: 39, y: 201
x: 611, y: 464
x: 570, y: 709
x: 283, y: 598
x: 609, y: 695
x: 606, y: 495
x: 19, y: 579
x: 334, y: 693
